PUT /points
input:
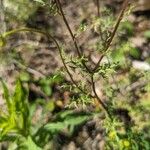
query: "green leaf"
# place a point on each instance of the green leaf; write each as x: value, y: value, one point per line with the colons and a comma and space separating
x: 24, y: 76
x: 128, y: 26
x: 47, y: 90
x: 57, y: 78
x: 134, y: 52
x: 65, y: 113
x: 118, y: 56
x: 19, y: 96
x: 8, y: 126
x: 6, y: 95
x: 16, y: 120
x: 28, y: 144
x: 55, y: 127
x: 40, y: 1
x: 3, y: 124
x: 69, y: 122
x: 72, y: 122
x: 21, y: 107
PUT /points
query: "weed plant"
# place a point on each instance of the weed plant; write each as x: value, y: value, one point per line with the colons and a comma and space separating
x: 120, y: 131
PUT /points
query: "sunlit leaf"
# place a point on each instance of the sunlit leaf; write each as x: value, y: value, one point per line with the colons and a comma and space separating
x: 54, y: 127
x: 28, y: 144
x: 40, y: 1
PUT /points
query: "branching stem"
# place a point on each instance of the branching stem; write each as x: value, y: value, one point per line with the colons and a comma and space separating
x: 125, y: 4
x: 71, y: 34
x: 99, y: 99
x: 49, y: 36
x: 91, y: 72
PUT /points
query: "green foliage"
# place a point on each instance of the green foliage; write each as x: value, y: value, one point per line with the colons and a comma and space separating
x: 122, y: 51
x: 50, y: 4
x: 16, y: 117
x: 40, y: 1
x: 27, y: 144
x: 19, y: 9
x: 105, y: 70
x: 127, y: 27
x: 47, y: 83
x: 66, y: 121
x: 129, y: 140
x: 16, y: 120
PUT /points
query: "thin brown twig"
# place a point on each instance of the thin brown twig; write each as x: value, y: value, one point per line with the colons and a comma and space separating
x: 124, y: 6
x: 71, y: 34
x: 79, y: 54
x: 49, y: 36
x: 67, y: 70
x: 99, y: 99
x: 56, y: 43
x: 64, y: 64
x: 74, y: 82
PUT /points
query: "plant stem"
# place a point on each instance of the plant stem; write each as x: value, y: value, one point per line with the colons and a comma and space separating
x: 124, y: 6
x: 79, y: 54
x: 49, y: 36
x: 99, y: 99
x: 9, y: 33
x: 71, y: 34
